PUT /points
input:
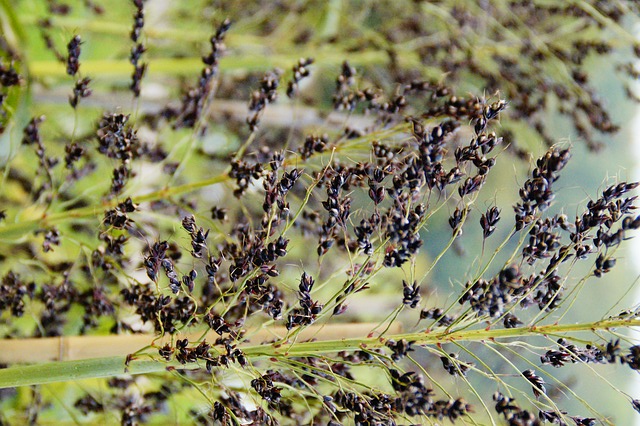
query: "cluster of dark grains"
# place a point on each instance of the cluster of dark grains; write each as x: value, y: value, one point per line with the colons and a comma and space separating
x: 491, y: 297
x: 220, y: 326
x: 512, y: 413
x: 133, y: 411
x: 544, y: 241
x: 57, y: 300
x: 31, y: 136
x: 399, y: 349
x: 73, y: 55
x: 117, y: 140
x: 88, y: 404
x: 511, y: 321
x: 339, y: 209
x: 277, y: 190
x: 313, y: 144
x: 265, y: 296
x: 80, y: 90
x: 632, y: 358
x: 243, y: 173
x: 375, y: 209
x: 164, y: 312
x: 344, y: 97
x: 309, y: 309
x: 556, y: 417
x: 264, y: 386
x: 536, y: 193
x: 217, y: 45
x: 118, y: 217
x: 195, y: 98
x: 437, y: 314
x: 198, y: 237
x: 9, y: 77
x: 537, y: 383
x: 410, y: 174
x: 73, y: 154
x: 376, y: 192
x: 455, y: 367
x: 138, y: 49
x: 158, y: 258
x: 488, y: 221
x: 219, y: 213
x: 402, y: 232
x: 97, y: 303
x: 412, y: 398
x: 253, y: 254
x: 602, y: 214
x: 457, y: 219
x: 300, y: 71
x: 111, y: 254
x: 590, y: 354
x: 231, y: 409
x: 410, y: 294
x: 266, y: 94
x: 185, y: 354
x: 51, y: 238
x: 364, y: 231
x: 13, y: 291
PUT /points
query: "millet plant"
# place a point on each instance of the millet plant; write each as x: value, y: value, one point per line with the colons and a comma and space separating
x: 314, y: 212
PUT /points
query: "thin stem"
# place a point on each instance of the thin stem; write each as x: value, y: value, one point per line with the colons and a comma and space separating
x: 117, y: 68
x: 113, y: 366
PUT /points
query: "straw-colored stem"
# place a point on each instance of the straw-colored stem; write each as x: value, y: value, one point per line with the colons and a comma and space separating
x: 75, y: 348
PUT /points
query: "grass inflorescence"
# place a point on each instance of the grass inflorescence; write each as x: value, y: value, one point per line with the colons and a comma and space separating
x: 280, y: 256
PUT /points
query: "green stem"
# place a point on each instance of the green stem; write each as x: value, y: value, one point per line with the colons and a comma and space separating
x: 182, y: 66
x: 18, y: 229
x: 113, y: 366
x: 21, y: 228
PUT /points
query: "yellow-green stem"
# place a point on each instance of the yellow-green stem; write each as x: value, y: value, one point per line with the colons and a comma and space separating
x: 113, y: 366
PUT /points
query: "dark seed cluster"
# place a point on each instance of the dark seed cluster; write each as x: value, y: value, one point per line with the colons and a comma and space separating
x: 300, y: 71
x: 412, y: 398
x: 118, y: 141
x: 453, y: 366
x: 488, y: 221
x: 80, y: 90
x: 536, y: 193
x: 31, y: 136
x: 73, y: 55
x: 266, y: 94
x: 571, y: 353
x: 309, y: 309
x: 138, y: 49
x: 195, y: 98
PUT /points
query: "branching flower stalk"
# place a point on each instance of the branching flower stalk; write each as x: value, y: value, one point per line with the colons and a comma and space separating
x: 114, y: 366
x: 196, y: 233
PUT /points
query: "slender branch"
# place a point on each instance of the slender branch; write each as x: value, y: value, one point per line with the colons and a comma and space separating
x: 18, y: 229
x: 75, y: 348
x: 181, y: 66
x: 113, y: 366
